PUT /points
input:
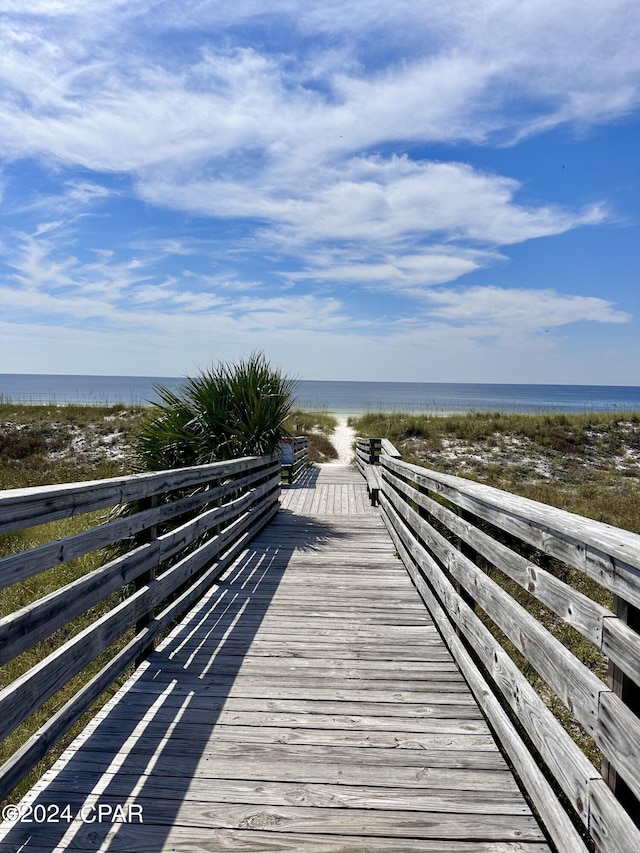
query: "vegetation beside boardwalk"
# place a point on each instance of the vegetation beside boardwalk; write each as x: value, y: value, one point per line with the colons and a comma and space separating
x: 42, y: 445
x: 586, y: 463
x: 317, y: 426
x: 226, y: 412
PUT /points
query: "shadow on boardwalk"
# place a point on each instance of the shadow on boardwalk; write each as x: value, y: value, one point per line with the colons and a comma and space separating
x: 145, y: 746
x: 308, y: 703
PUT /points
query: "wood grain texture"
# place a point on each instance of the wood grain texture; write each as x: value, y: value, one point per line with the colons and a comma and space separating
x: 573, y: 682
x: 554, y: 817
x: 567, y: 763
x: 575, y: 608
x: 21, y: 630
x: 607, y: 554
x: 25, y: 564
x: 25, y: 695
x: 613, y: 725
x: 15, y: 768
x: 306, y: 702
x: 20, y: 508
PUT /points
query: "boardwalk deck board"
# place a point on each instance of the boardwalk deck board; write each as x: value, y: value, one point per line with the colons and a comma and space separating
x: 307, y: 703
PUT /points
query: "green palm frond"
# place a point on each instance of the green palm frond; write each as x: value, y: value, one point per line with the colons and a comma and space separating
x: 229, y: 410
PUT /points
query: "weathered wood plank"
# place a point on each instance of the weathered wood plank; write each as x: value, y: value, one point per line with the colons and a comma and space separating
x: 575, y: 685
x: 21, y: 698
x: 311, y: 668
x: 442, y: 721
x: 21, y: 508
x: 305, y: 703
x: 346, y: 707
x: 21, y: 630
x: 355, y: 652
x: 263, y: 733
x: 568, y: 764
x: 609, y: 555
x: 296, y: 770
x: 154, y: 839
x: 318, y: 694
x: 306, y: 794
x: 17, y: 567
x: 14, y: 770
x: 364, y: 823
x: 216, y: 753
x: 556, y: 820
x: 576, y: 609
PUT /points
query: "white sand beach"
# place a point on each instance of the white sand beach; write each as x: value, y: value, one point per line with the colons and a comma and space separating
x: 342, y: 439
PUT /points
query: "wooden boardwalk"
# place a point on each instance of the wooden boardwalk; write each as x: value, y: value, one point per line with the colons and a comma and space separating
x: 306, y: 704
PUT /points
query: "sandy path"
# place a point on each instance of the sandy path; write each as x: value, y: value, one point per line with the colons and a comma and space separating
x: 342, y: 439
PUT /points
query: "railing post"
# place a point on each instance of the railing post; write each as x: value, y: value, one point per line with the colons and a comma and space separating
x: 287, y: 451
x: 629, y: 692
x: 147, y: 535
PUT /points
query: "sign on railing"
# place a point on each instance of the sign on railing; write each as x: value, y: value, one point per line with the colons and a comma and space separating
x: 294, y: 457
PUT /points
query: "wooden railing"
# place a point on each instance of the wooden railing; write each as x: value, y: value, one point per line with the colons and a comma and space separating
x: 294, y: 457
x: 452, y: 534
x: 368, y: 452
x: 187, y: 526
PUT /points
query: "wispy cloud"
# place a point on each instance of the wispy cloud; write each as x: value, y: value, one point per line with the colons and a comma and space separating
x: 519, y: 311
x: 267, y: 167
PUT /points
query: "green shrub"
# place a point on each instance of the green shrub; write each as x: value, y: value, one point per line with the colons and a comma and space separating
x: 229, y: 411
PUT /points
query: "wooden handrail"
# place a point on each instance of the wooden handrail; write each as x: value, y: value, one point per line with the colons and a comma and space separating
x: 447, y: 530
x: 294, y: 457
x: 204, y: 517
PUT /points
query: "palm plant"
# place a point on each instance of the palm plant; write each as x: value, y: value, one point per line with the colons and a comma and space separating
x: 230, y: 410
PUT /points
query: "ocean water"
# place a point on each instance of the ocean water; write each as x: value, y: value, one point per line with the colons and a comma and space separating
x: 339, y: 397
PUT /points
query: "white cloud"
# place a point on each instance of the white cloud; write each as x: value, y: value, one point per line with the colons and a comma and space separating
x: 45, y: 279
x: 76, y: 91
x: 380, y: 204
x: 287, y: 134
x: 235, y: 131
x: 399, y: 272
x: 520, y: 311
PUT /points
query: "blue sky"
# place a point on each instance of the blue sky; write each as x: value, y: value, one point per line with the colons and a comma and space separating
x: 420, y: 191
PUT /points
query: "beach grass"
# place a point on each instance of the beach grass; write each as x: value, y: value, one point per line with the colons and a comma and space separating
x: 42, y: 445
x: 587, y: 463
x: 317, y: 426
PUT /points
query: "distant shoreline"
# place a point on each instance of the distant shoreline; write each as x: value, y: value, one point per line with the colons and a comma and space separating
x: 340, y: 397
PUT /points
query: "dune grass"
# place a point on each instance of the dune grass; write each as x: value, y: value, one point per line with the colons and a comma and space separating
x: 43, y: 445
x: 317, y: 426
x: 585, y: 463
